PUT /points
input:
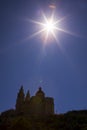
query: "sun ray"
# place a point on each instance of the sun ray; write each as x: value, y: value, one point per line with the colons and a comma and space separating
x: 65, y: 31
x: 35, y: 34
x: 60, y: 20
x: 37, y: 22
x: 46, y: 37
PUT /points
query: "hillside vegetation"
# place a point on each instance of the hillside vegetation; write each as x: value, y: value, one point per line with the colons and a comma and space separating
x: 74, y: 120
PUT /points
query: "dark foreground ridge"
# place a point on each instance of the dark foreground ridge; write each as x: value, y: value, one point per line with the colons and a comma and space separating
x: 37, y: 113
x: 74, y: 120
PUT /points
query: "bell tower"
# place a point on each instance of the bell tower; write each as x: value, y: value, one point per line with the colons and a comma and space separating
x: 20, y: 100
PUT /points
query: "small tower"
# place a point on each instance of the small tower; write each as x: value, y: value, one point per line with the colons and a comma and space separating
x: 20, y: 100
x: 27, y: 103
x: 27, y: 98
x: 40, y: 93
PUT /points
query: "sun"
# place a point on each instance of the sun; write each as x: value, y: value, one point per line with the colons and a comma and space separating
x: 48, y: 28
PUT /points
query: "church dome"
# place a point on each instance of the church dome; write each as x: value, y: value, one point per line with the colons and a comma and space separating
x: 40, y: 93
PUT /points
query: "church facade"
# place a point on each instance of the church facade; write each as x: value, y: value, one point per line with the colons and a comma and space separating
x: 37, y: 105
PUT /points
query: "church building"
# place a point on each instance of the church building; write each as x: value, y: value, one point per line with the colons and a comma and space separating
x: 37, y: 105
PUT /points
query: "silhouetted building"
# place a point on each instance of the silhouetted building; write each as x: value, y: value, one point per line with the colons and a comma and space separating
x: 37, y: 105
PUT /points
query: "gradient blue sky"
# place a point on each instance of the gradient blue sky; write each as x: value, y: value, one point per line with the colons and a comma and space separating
x: 61, y: 69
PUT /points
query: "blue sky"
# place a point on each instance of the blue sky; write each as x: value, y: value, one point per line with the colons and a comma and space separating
x: 61, y: 69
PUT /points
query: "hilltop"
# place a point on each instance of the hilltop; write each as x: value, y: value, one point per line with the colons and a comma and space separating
x: 73, y: 120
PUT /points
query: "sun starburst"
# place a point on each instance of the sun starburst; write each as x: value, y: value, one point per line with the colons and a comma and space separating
x: 49, y: 28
